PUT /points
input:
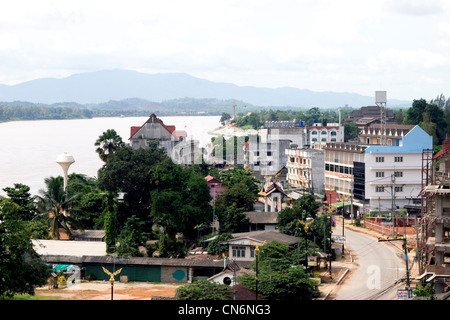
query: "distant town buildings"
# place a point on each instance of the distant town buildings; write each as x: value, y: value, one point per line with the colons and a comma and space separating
x: 368, y: 115
x: 320, y: 134
x: 180, y: 149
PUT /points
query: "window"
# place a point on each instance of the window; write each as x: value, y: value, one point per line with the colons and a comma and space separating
x: 269, y: 153
x: 324, y: 132
x: 379, y: 159
x: 398, y: 189
x: 314, y: 139
x: 314, y: 132
x: 333, y: 133
x: 398, y: 174
x: 379, y: 174
x: 252, y: 252
x: 238, y: 252
x: 324, y: 139
x: 379, y: 189
x: 398, y: 159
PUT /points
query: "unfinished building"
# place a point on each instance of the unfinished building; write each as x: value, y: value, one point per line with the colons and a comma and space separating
x: 434, y: 243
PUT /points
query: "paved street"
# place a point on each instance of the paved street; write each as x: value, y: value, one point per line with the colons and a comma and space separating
x: 373, y: 268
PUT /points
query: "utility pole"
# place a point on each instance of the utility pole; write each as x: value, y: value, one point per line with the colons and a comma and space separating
x: 408, y: 283
x: 393, y: 202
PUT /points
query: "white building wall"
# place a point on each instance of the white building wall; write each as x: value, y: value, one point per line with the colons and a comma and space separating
x: 381, y: 185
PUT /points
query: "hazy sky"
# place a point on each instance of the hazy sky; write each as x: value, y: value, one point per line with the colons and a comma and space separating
x: 400, y: 46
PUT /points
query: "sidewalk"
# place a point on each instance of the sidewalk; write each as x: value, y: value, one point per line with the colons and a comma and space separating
x: 340, y: 269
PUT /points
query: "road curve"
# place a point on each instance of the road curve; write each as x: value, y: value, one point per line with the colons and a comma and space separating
x: 376, y: 267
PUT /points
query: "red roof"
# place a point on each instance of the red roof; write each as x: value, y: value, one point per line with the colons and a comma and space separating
x: 445, y: 149
x: 209, y: 178
x: 169, y: 128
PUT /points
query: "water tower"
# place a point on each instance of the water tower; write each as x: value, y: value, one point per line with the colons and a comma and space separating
x: 65, y: 160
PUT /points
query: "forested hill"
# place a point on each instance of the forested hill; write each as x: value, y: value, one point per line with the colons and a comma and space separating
x: 19, y: 110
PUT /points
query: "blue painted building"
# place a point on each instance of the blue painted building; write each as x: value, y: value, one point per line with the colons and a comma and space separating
x: 393, y: 174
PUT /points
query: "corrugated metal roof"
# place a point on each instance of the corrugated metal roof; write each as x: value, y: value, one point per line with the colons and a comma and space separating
x: 69, y: 247
x: 216, y: 263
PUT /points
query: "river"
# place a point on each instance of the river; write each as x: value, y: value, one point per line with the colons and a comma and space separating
x: 29, y: 148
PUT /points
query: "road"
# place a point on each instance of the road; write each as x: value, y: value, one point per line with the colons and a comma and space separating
x: 374, y: 271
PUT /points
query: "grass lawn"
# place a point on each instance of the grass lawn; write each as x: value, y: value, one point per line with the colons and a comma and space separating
x: 30, y: 297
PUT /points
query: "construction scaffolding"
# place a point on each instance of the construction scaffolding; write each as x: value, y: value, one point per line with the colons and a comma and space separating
x: 434, y: 244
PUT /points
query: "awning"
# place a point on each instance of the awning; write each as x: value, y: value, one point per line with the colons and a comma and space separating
x: 61, y: 267
x: 341, y: 204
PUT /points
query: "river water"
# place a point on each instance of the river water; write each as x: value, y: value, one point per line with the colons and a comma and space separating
x: 28, y: 149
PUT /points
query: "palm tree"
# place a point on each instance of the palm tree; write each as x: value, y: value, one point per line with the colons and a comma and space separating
x: 56, y: 206
x: 107, y: 143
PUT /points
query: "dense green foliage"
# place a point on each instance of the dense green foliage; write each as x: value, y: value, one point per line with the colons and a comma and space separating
x: 280, y: 277
x: 20, y: 267
x: 202, y: 289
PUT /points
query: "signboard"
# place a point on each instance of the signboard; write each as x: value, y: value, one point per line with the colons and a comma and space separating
x: 312, y: 261
x: 316, y: 281
x: 402, y: 294
x: 338, y: 239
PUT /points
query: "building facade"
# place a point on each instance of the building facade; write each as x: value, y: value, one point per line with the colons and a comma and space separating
x: 306, y: 169
x: 181, y: 150
x: 320, y: 134
x: 393, y: 174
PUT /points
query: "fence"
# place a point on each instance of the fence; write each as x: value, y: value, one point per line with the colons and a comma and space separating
x: 400, y: 225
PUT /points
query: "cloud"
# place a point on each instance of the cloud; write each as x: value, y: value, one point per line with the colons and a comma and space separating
x: 416, y: 7
x: 396, y: 60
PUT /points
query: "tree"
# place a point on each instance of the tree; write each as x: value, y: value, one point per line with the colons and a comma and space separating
x: 20, y: 195
x: 429, y: 127
x: 225, y: 116
x: 303, y: 208
x: 214, y: 246
x: 108, y: 143
x: 21, y: 269
x: 279, y: 276
x: 351, y: 131
x: 130, y: 238
x: 203, y: 289
x: 132, y: 172
x: 56, y: 207
x: 426, y: 291
x: 399, y: 117
x: 237, y: 199
x: 181, y: 200
x: 233, y: 220
x: 415, y: 113
x: 110, y: 223
x: 234, y: 176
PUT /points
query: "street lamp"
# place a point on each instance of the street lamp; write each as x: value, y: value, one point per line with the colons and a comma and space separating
x: 330, y: 214
x: 65, y: 160
x: 256, y: 256
x: 111, y: 278
x: 306, y: 226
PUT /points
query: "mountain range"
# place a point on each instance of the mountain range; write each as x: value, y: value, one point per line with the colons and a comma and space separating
x: 106, y: 85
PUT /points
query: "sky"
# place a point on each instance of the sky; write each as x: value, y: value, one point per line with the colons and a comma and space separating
x: 398, y: 46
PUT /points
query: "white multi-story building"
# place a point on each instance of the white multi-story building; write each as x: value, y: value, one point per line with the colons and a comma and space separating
x: 387, y: 177
x: 305, y: 169
x: 393, y: 174
x: 320, y: 134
